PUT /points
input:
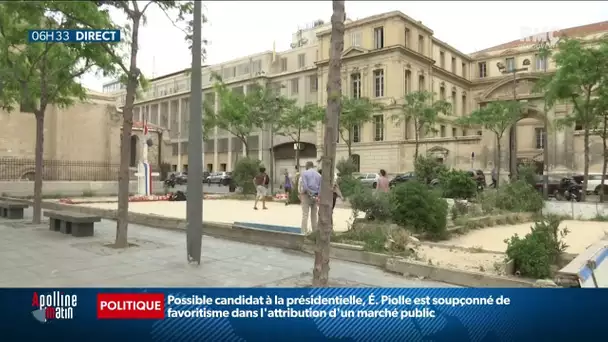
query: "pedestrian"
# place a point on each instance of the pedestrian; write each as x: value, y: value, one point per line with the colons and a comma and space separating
x: 382, y: 185
x: 261, y: 182
x: 308, y: 188
x: 287, y: 186
x: 494, y: 178
x: 335, y: 192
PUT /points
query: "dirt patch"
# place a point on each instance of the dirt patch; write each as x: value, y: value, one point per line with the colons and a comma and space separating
x: 469, y: 260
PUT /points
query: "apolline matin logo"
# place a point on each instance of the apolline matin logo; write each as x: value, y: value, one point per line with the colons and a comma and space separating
x: 73, y: 36
x: 53, y: 306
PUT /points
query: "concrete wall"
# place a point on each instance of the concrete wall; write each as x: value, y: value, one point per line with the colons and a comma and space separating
x: 70, y: 189
x: 576, y: 210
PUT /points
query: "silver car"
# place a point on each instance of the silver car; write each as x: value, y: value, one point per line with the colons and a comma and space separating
x: 369, y: 179
x: 222, y: 178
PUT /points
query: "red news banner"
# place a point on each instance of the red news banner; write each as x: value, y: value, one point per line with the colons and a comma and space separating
x: 130, y: 306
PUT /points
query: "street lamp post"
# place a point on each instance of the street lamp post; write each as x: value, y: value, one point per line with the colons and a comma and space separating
x: 194, y: 206
x: 513, y: 130
x: 544, y: 45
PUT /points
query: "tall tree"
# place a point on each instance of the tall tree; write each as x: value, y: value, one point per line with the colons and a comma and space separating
x: 39, y: 75
x: 601, y: 107
x: 237, y: 114
x: 422, y: 111
x: 496, y: 117
x: 298, y: 119
x: 577, y: 80
x: 334, y: 99
x: 132, y: 77
x: 355, y: 113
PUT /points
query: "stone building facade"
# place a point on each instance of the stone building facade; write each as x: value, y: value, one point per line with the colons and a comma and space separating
x: 385, y: 56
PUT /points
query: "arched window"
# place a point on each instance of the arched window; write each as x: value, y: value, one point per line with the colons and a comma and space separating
x: 134, y: 145
x: 356, y: 161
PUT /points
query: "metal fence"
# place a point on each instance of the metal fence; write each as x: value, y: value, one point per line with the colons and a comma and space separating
x: 58, y: 170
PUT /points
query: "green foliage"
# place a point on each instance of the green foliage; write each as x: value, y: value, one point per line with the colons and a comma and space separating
x: 349, y: 185
x: 495, y: 116
x: 534, y: 254
x: 295, y: 119
x: 244, y: 171
x: 457, y: 184
x: 346, y: 167
x: 294, y: 197
x: 427, y: 168
x: 355, y: 112
x: 420, y: 109
x: 415, y: 207
x: 527, y: 173
x: 519, y: 196
x: 375, y: 205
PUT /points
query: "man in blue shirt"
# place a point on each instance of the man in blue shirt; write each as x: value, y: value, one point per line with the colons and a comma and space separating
x: 309, y: 187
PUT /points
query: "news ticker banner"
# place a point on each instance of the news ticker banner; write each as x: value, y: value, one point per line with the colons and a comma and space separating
x: 73, y: 36
x: 303, y: 314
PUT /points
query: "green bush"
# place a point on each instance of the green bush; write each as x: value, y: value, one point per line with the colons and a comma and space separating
x: 349, y: 185
x: 416, y: 207
x: 346, y: 167
x: 519, y: 196
x: 244, y: 171
x: 375, y: 205
x: 534, y: 254
x: 427, y: 168
x: 294, y: 198
x: 458, y: 185
x: 527, y: 173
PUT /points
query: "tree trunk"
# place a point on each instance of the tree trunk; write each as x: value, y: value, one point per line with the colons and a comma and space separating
x: 334, y: 91
x: 498, y: 151
x: 298, y: 149
x: 246, y: 147
x: 122, y: 214
x: 513, y: 152
x: 602, y: 191
x: 349, y: 143
x: 545, y: 157
x: 416, y: 138
x: 38, y: 173
x: 586, y: 165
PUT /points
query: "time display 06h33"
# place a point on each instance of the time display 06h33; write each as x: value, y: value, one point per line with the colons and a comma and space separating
x: 73, y: 36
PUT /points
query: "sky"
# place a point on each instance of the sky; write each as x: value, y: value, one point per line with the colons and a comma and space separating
x: 240, y: 28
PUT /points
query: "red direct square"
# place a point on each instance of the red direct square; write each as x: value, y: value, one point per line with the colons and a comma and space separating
x: 130, y: 306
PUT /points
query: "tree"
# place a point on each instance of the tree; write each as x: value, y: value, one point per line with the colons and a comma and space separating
x: 600, y: 105
x: 577, y: 80
x: 355, y: 112
x: 238, y: 113
x: 131, y: 76
x: 37, y: 75
x: 420, y: 109
x: 332, y: 116
x: 297, y: 119
x: 496, y: 117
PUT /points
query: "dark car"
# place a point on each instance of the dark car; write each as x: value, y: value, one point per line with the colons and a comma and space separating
x: 400, y: 178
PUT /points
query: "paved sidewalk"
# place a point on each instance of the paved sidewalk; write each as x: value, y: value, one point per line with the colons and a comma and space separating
x: 33, y: 256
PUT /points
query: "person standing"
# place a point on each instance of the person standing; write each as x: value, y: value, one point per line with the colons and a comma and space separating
x: 260, y: 181
x: 335, y: 191
x: 383, y: 182
x: 288, y: 186
x: 494, y: 178
x: 308, y: 188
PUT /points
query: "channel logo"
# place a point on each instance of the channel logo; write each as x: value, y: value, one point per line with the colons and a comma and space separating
x: 549, y: 35
x: 53, y: 306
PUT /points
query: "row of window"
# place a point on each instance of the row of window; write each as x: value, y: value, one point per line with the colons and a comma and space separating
x: 313, y: 83
x: 243, y: 69
x: 378, y: 122
x: 540, y: 64
x: 301, y: 62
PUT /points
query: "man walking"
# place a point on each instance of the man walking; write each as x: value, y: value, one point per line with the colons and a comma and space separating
x: 309, y: 187
x: 260, y: 181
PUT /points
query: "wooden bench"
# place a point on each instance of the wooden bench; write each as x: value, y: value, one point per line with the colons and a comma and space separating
x: 12, y: 210
x: 77, y: 224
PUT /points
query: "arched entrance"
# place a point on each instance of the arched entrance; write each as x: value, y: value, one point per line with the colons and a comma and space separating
x: 134, y: 147
x: 285, y: 157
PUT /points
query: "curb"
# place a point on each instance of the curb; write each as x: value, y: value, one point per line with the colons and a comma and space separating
x: 286, y: 240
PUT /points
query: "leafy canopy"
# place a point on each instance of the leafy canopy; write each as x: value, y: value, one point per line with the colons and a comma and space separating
x: 356, y: 111
x: 300, y: 119
x: 496, y: 117
x: 420, y: 107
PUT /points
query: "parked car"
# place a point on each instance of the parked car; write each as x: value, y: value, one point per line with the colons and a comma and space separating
x: 594, y: 183
x: 179, y: 178
x: 369, y: 179
x: 400, y: 178
x: 205, y: 175
x: 220, y: 178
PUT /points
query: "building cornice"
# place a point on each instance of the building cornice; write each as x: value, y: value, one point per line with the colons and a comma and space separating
x: 377, y: 18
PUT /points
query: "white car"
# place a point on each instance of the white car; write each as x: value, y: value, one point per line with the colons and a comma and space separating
x: 594, y: 183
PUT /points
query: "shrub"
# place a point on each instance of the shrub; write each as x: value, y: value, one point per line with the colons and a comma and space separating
x: 519, y: 196
x: 349, y: 185
x: 527, y: 173
x: 346, y: 167
x: 457, y: 185
x: 244, y: 171
x: 375, y: 205
x: 534, y: 254
x: 426, y: 169
x: 294, y: 197
x: 416, y: 207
